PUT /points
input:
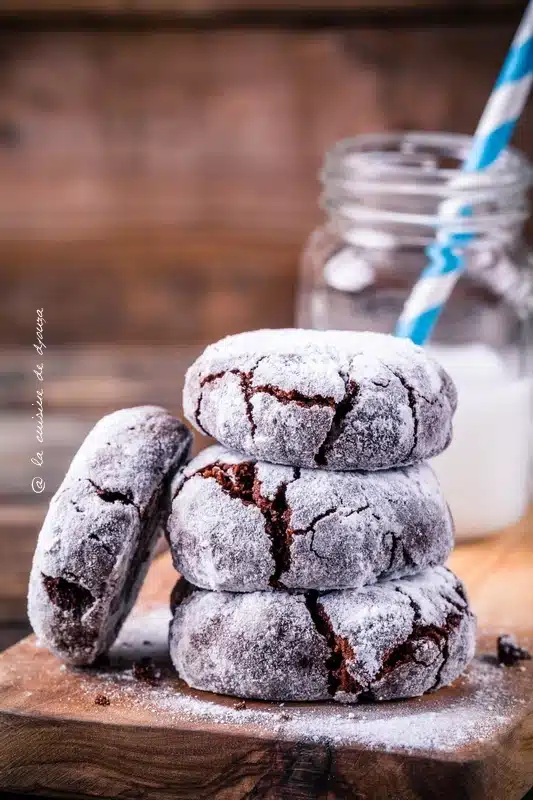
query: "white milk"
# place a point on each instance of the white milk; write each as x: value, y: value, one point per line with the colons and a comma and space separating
x: 485, y: 472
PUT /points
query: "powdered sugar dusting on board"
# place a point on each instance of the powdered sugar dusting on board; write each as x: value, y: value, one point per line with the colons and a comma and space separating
x: 481, y: 707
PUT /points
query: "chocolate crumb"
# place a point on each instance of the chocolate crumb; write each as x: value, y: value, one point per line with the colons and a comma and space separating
x: 509, y: 651
x: 102, y: 700
x: 145, y: 670
x: 240, y: 706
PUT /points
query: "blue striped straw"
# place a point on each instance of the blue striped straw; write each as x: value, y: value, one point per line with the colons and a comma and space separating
x: 495, y: 128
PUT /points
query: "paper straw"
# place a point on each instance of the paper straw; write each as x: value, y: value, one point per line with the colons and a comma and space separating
x: 492, y: 136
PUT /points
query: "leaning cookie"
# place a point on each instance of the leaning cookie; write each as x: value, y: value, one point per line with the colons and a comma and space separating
x: 330, y: 399
x: 396, y: 639
x: 239, y: 525
x: 101, y: 529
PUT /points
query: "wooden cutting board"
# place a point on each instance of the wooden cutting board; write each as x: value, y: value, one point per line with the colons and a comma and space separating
x: 105, y: 733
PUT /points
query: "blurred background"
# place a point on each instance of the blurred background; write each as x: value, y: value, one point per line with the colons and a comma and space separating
x: 158, y: 164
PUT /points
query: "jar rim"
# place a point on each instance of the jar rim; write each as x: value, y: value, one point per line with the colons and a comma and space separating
x: 415, y: 180
x: 416, y: 154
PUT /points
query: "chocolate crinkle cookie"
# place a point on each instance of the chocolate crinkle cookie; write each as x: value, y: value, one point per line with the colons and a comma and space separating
x: 240, y: 525
x: 337, y: 400
x: 397, y: 639
x: 101, y: 529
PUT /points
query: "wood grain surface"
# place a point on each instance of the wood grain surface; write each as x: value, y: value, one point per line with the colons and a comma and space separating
x: 166, y: 741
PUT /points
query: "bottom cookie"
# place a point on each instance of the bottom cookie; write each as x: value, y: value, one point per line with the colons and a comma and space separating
x: 396, y: 639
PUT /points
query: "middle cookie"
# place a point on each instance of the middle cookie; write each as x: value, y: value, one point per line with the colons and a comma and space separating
x: 242, y: 525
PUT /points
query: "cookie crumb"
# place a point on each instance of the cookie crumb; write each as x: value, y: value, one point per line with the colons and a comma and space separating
x: 102, y: 700
x: 509, y: 651
x: 240, y: 706
x: 145, y: 670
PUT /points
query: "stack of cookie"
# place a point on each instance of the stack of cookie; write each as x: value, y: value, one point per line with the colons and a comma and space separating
x: 312, y: 539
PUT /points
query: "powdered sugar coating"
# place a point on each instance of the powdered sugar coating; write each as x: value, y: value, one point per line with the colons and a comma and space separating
x: 330, y: 399
x: 396, y: 639
x: 316, y: 530
x: 251, y: 645
x: 101, y: 529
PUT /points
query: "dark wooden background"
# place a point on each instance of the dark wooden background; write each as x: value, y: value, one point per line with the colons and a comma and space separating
x: 158, y: 158
x: 158, y: 165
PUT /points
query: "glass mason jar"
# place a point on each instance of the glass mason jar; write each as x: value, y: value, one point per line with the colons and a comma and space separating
x: 382, y: 194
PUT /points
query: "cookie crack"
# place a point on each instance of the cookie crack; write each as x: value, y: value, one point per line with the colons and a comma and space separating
x: 397, y: 549
x: 312, y: 548
x: 110, y: 496
x: 248, y: 390
x: 336, y: 428
x: 339, y: 678
x: 460, y: 592
x: 287, y: 396
x: 413, y: 407
x: 311, y: 529
x: 215, y: 376
x: 412, y: 602
x: 412, y: 395
x: 277, y: 516
x: 452, y: 622
x: 102, y: 544
x: 240, y: 481
x: 237, y: 480
x: 358, y: 510
x: 405, y: 652
x: 415, y: 392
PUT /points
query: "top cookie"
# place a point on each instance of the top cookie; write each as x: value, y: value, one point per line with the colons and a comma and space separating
x: 336, y: 400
